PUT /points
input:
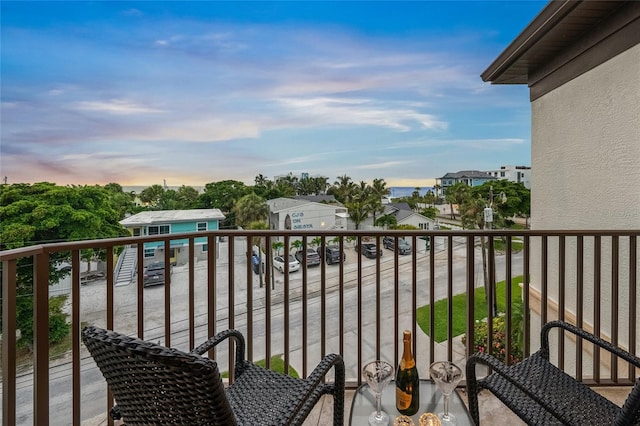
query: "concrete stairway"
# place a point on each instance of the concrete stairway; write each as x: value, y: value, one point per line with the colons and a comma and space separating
x: 126, y: 267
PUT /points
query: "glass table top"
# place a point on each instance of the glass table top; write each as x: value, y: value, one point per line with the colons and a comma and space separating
x: 431, y: 400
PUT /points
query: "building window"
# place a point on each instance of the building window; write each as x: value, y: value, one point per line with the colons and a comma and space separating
x: 205, y: 248
x: 136, y: 232
x: 423, y: 226
x: 201, y: 226
x: 501, y: 174
x: 158, y: 229
x: 149, y: 252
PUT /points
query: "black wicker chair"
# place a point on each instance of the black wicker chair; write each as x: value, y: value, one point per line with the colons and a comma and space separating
x: 542, y: 394
x: 153, y: 384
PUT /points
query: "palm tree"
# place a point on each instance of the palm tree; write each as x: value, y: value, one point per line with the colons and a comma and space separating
x: 320, y: 185
x: 456, y: 194
x: 277, y: 246
x: 285, y: 188
x: 437, y: 187
x: 315, y: 242
x: 250, y: 208
x: 342, y: 189
x: 388, y: 220
x: 358, y: 212
x: 377, y: 190
x: 297, y: 244
x: 430, y: 198
x: 306, y: 186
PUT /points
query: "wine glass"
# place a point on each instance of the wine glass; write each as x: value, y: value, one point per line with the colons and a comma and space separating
x: 447, y: 375
x: 378, y: 374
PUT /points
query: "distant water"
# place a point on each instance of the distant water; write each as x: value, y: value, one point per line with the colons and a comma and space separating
x: 407, y: 191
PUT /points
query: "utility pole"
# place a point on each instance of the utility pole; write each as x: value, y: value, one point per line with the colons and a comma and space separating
x: 490, y: 280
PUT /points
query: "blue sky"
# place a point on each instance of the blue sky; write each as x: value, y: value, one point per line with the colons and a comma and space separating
x: 198, y: 92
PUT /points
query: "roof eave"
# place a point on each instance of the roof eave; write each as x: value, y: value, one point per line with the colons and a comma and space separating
x: 553, y: 12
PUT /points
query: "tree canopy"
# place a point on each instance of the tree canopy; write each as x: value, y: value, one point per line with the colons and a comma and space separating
x: 43, y: 213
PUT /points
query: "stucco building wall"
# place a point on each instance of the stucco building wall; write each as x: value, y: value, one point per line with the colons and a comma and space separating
x: 586, y: 168
x: 586, y: 146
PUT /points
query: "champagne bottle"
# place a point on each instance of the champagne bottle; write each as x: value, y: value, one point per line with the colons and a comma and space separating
x: 407, y: 381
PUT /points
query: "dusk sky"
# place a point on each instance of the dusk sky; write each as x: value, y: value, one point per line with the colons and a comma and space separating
x: 198, y: 92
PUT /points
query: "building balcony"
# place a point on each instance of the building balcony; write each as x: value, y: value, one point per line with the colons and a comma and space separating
x: 358, y: 307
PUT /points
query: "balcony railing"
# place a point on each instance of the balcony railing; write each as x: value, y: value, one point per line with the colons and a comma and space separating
x: 358, y: 307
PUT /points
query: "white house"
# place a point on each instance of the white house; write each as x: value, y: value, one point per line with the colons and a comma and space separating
x: 404, y: 216
x: 517, y: 174
x: 305, y: 215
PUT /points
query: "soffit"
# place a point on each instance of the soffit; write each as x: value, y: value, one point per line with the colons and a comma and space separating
x: 559, y: 25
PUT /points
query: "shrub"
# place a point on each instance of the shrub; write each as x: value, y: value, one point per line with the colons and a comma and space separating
x: 499, y: 342
x: 58, y: 326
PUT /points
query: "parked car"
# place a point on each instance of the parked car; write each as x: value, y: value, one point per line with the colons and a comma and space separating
x: 278, y: 263
x: 369, y: 250
x: 154, y: 274
x: 403, y: 246
x: 313, y: 258
x: 332, y: 254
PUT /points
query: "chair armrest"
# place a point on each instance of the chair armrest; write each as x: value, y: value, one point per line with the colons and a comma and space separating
x: 502, y: 370
x: 321, y: 370
x: 220, y: 337
x: 314, y: 384
x: 587, y: 336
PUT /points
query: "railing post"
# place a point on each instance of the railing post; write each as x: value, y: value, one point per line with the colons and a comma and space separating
x: 41, y: 339
x: 9, y: 285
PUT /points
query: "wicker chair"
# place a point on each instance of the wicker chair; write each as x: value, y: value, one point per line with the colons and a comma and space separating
x: 542, y: 394
x: 153, y: 384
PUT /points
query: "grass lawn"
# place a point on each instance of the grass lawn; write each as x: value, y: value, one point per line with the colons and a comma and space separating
x: 516, y: 245
x: 277, y: 364
x: 459, y: 309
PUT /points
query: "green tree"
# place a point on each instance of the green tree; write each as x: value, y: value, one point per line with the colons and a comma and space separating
x: 320, y: 185
x: 437, y: 187
x: 430, y: 212
x: 456, y: 194
x: 285, y: 188
x: 277, y: 246
x: 342, y: 189
x: 187, y: 198
x: 223, y: 195
x: 44, y: 213
x: 152, y: 195
x: 250, y: 208
x: 297, y: 245
x: 388, y: 221
x: 305, y: 186
x: 358, y: 212
x: 168, y: 200
x: 315, y: 242
x: 269, y: 190
x: 377, y: 190
x: 430, y: 198
x: 122, y: 201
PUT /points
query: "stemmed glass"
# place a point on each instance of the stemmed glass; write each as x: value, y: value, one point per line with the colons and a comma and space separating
x: 447, y: 375
x: 378, y: 374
